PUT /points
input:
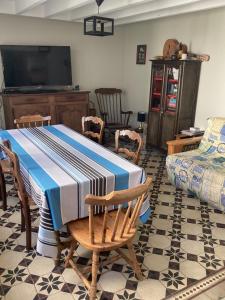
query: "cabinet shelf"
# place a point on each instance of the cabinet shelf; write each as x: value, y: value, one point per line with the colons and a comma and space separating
x: 174, y: 81
x: 156, y: 94
x: 170, y: 111
x: 155, y: 109
x: 171, y: 95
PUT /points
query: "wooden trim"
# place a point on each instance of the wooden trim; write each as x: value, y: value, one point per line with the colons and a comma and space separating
x: 176, y: 146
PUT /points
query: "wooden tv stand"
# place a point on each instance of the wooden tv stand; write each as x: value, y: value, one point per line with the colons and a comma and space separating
x: 64, y: 107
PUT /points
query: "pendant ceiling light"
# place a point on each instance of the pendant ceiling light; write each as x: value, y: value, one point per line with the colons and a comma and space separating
x: 98, y: 26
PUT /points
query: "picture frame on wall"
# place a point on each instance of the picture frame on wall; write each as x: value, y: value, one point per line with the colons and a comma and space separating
x: 141, y: 54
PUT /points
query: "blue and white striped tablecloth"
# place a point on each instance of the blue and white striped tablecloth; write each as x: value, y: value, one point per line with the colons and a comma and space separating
x: 60, y: 167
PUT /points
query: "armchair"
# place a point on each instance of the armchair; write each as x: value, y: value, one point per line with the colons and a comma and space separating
x: 110, y: 108
x: 201, y: 171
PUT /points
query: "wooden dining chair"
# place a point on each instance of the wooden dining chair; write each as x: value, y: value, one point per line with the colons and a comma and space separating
x: 25, y: 200
x: 133, y: 136
x: 3, y: 189
x: 5, y: 169
x: 32, y: 121
x: 86, y: 128
x: 108, y: 231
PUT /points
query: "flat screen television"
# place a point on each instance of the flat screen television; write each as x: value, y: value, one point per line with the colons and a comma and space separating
x: 36, y: 66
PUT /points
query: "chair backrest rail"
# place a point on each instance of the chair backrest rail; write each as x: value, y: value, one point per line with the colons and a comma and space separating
x: 32, y: 121
x: 104, y: 224
x: 128, y: 212
x: 116, y: 223
x: 91, y: 228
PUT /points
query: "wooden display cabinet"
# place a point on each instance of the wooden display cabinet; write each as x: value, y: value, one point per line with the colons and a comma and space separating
x: 172, y: 100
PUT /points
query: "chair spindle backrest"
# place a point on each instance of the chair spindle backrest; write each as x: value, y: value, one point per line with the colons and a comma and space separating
x: 15, y: 165
x: 32, y: 121
x: 109, y: 103
x: 133, y: 136
x: 124, y: 224
x: 92, y: 134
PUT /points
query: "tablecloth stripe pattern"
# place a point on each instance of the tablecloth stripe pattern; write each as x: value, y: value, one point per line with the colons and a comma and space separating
x: 60, y: 167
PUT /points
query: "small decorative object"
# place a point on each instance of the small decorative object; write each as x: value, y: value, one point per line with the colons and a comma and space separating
x: 141, y: 119
x: 158, y: 57
x: 201, y: 57
x: 141, y: 54
x: 171, y: 47
x: 175, y: 73
x: 77, y: 87
x: 97, y: 25
x: 173, y: 57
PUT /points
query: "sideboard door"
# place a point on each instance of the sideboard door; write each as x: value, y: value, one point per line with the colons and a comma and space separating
x: 71, y: 114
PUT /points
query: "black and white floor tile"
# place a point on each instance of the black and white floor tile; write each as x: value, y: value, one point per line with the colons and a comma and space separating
x: 182, y: 242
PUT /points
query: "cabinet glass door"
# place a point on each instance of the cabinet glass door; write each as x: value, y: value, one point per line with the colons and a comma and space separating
x: 172, y: 81
x: 157, y: 87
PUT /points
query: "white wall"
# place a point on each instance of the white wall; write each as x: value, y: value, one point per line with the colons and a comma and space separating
x: 96, y: 61
x: 111, y: 61
x: 203, y: 32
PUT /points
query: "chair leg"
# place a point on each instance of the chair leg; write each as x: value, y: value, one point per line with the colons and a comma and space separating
x: 3, y: 192
x: 133, y: 257
x: 71, y: 251
x: 26, y: 212
x: 22, y: 219
x: 94, y: 271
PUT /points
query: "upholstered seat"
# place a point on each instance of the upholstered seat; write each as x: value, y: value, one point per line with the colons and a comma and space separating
x: 202, y: 171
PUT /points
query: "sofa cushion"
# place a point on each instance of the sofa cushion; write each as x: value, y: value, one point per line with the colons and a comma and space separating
x: 214, y: 138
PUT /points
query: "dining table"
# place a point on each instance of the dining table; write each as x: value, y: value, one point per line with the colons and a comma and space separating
x: 59, y: 168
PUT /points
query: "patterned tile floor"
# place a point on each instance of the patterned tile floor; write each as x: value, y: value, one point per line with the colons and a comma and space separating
x: 183, y: 242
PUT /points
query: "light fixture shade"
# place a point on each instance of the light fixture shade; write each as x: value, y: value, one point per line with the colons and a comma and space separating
x: 98, y: 26
x: 141, y: 116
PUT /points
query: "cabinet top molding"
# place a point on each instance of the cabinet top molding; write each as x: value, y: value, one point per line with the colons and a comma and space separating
x: 179, y: 61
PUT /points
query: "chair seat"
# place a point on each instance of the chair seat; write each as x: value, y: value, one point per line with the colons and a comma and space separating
x: 79, y: 229
x: 6, y: 168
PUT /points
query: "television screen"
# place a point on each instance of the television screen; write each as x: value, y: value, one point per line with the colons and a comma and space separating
x: 27, y: 66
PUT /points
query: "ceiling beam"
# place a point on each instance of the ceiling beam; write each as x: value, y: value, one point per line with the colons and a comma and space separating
x: 153, y: 6
x: 201, y: 5
x: 54, y: 7
x: 92, y: 9
x: 7, y: 7
x: 37, y: 12
x: 22, y: 6
x: 107, y: 7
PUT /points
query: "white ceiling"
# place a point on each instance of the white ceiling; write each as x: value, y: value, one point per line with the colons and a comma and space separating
x: 124, y: 11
